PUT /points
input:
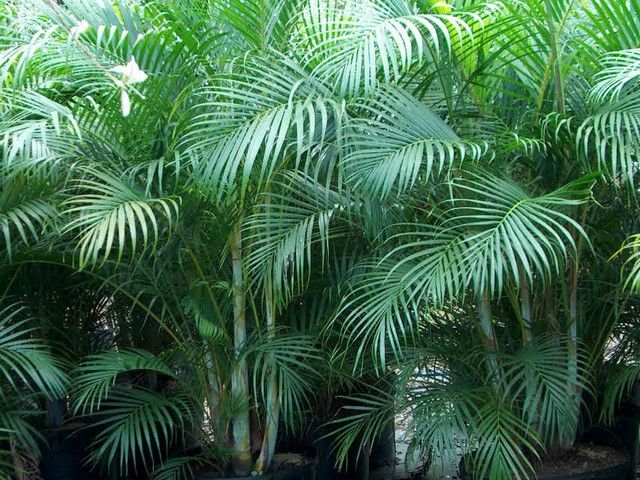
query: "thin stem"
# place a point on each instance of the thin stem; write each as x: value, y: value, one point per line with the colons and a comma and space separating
x: 11, y: 282
x: 525, y: 308
x: 555, y: 59
x: 488, y: 335
x: 240, y: 374
x: 273, y: 405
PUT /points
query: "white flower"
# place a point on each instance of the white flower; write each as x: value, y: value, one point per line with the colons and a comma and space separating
x: 81, y: 27
x: 130, y: 72
x: 125, y: 103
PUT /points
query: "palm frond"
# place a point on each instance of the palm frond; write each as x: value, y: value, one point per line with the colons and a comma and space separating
x: 260, y: 24
x: 360, y: 422
x: 620, y: 69
x: 15, y: 427
x: 96, y: 376
x: 353, y: 43
x: 380, y: 311
x: 632, y: 263
x: 177, y: 468
x: 492, y: 228
x: 25, y: 361
x: 138, y: 424
x: 300, y: 214
x: 505, y: 444
x: 621, y: 381
x: 399, y: 142
x: 294, y: 360
x: 538, y: 375
x: 610, y: 135
x: 246, y: 126
x: 111, y: 213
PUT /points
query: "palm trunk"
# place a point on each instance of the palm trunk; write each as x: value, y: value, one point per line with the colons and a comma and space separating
x: 488, y: 334
x: 572, y: 351
x: 213, y: 399
x: 272, y: 407
x: 527, y: 336
x: 525, y: 309
x: 241, y: 455
x: 555, y: 58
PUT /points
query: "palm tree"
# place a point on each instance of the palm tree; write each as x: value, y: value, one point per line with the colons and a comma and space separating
x: 156, y: 177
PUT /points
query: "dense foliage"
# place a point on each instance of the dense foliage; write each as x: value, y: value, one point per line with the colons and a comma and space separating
x: 216, y: 215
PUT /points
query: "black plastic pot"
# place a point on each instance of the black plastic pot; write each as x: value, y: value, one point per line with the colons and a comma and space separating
x: 326, y: 459
x: 297, y: 473
x: 627, y: 427
x: 614, y: 473
x: 617, y: 472
x: 599, y: 436
x: 63, y: 459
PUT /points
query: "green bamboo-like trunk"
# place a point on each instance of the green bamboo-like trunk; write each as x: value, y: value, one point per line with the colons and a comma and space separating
x: 525, y: 309
x: 241, y: 454
x: 213, y: 399
x: 272, y: 402
x: 572, y: 350
x: 555, y: 59
x: 488, y: 334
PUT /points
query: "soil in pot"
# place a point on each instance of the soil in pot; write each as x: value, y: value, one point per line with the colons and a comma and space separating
x: 586, y: 461
x: 583, y: 458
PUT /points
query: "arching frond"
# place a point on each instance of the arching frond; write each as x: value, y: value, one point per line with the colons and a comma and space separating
x: 398, y: 143
x: 27, y: 207
x: 352, y: 43
x: 495, y: 228
x: 15, y: 427
x: 506, y: 444
x: 96, y: 376
x: 362, y: 420
x: 611, y: 136
x: 621, y: 382
x: 283, y: 231
x: 136, y: 425
x: 621, y: 70
x: 248, y: 124
x: 112, y: 214
x: 177, y: 468
x: 25, y: 361
x: 631, y: 279
x: 613, y: 25
x: 538, y: 376
x: 294, y: 360
x: 20, y: 440
x: 260, y: 24
x: 380, y: 311
x: 492, y: 230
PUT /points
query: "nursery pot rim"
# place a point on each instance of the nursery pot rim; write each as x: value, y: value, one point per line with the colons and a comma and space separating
x: 286, y: 474
x: 613, y: 472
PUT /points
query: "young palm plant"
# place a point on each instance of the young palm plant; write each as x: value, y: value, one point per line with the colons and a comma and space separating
x: 160, y: 152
